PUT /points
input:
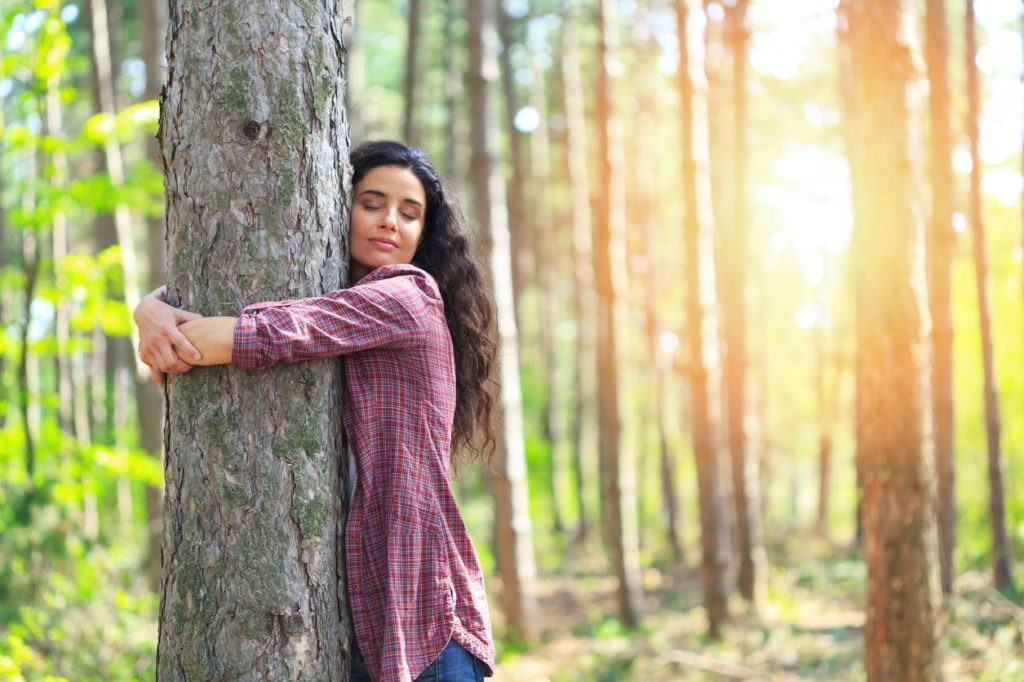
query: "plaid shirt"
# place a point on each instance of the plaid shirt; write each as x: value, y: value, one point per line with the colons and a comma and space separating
x: 414, y: 580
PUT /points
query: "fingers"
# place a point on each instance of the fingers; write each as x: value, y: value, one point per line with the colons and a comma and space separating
x: 182, y: 344
x: 185, y: 316
x: 157, y: 375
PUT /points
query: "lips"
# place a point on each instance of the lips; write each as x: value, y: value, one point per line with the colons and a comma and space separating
x: 384, y: 244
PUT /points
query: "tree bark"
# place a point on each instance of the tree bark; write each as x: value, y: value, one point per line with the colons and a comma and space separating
x: 997, y: 506
x: 253, y: 137
x: 616, y: 460
x: 584, y: 370
x: 714, y: 557
x: 939, y: 242
x: 514, y: 546
x: 902, y: 584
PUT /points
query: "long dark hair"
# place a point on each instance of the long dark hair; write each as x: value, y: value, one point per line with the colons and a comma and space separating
x: 444, y: 253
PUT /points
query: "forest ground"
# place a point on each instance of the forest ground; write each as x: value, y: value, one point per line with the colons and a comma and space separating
x: 811, y: 627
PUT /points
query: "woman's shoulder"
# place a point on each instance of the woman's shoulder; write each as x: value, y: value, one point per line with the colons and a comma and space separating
x: 401, y: 278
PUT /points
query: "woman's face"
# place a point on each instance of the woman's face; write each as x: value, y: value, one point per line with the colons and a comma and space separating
x: 389, y: 207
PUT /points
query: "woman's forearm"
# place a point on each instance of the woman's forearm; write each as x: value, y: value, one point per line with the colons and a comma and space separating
x: 213, y: 337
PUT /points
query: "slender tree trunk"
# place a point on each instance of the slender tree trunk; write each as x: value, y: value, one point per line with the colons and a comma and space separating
x: 254, y: 144
x: 584, y: 371
x: 940, y: 240
x: 514, y: 547
x: 452, y: 82
x: 30, y: 266
x: 548, y: 271
x: 902, y: 584
x: 113, y: 158
x: 750, y: 578
x: 616, y: 460
x: 410, y: 129
x: 519, y: 224
x: 54, y: 127
x: 148, y: 397
x: 997, y: 507
x: 714, y: 558
x: 646, y: 198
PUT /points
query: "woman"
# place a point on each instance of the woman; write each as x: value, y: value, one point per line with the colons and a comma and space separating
x: 413, y: 330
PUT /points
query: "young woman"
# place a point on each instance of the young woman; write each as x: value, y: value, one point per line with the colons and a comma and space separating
x: 413, y: 331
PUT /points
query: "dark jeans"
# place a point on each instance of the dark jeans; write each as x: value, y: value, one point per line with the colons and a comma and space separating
x: 453, y: 664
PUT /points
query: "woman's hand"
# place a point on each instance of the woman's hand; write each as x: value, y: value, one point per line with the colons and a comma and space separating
x: 161, y: 345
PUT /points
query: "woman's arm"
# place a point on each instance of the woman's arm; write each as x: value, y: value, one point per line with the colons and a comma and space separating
x: 213, y: 337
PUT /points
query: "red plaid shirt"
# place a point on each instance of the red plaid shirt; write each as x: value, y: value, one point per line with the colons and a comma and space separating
x: 414, y: 580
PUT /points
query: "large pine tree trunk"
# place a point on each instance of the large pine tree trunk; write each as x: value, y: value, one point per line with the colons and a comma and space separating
x: 513, y: 544
x: 939, y: 242
x: 902, y: 584
x: 714, y: 557
x: 997, y: 507
x: 584, y: 372
x: 616, y: 463
x: 254, y: 143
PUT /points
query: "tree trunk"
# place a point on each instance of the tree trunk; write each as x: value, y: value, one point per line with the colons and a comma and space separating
x: 616, y: 462
x: 902, y: 584
x: 254, y: 138
x: 939, y: 243
x: 997, y: 510
x: 514, y: 547
x: 519, y: 225
x: 750, y: 578
x: 410, y: 130
x: 584, y: 370
x: 548, y: 271
x: 651, y: 231
x: 148, y: 397
x: 714, y: 561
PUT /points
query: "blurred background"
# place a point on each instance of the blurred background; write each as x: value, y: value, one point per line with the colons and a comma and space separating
x: 732, y: 297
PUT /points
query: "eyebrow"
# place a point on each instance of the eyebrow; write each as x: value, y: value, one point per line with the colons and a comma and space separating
x: 377, y: 192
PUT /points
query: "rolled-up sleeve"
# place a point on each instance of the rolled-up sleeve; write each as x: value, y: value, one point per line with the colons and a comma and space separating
x: 389, y: 308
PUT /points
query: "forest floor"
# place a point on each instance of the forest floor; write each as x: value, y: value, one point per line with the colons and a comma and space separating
x: 810, y: 628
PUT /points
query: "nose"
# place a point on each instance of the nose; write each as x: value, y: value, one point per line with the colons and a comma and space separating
x: 391, y: 218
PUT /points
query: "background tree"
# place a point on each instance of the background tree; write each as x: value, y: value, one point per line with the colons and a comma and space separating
x: 940, y: 242
x: 513, y: 545
x: 253, y: 160
x: 714, y: 555
x: 901, y: 630
x: 616, y: 461
x: 997, y: 512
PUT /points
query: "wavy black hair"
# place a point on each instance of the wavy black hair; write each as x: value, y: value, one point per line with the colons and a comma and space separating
x: 444, y: 252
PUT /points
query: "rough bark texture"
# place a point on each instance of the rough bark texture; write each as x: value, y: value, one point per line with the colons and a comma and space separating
x: 618, y: 496
x: 584, y: 372
x: 902, y: 584
x: 254, y: 143
x: 997, y: 506
x: 939, y: 243
x: 714, y: 557
x: 513, y: 544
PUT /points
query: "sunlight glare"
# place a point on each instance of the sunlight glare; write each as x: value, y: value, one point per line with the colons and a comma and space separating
x: 959, y: 222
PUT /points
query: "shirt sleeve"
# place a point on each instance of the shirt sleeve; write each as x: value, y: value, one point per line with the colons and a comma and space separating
x: 390, y: 308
